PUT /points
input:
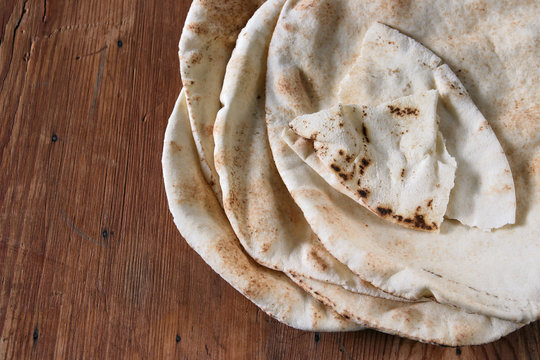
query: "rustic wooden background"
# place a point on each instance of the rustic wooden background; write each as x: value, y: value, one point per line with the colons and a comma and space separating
x: 91, y: 264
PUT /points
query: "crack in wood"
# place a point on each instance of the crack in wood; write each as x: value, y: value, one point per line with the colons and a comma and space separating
x: 17, y: 25
x: 44, y: 17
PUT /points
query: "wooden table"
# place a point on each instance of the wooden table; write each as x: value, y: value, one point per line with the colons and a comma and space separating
x: 91, y: 264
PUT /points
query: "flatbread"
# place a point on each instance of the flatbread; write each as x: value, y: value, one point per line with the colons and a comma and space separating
x: 390, y: 158
x: 425, y: 321
x: 492, y: 273
x: 201, y: 221
x: 208, y: 38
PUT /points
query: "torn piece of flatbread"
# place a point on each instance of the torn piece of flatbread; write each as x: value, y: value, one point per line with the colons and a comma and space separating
x: 390, y: 158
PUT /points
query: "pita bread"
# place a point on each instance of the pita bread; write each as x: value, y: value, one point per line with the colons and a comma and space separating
x: 390, y: 158
x: 491, y: 273
x: 200, y: 219
x: 208, y: 38
x: 425, y: 321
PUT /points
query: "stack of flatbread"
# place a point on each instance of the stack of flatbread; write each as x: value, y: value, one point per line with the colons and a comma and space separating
x: 349, y: 164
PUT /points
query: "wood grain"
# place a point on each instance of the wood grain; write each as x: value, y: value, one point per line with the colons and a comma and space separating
x: 91, y: 264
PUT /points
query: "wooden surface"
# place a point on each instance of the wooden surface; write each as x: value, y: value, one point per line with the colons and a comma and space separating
x: 91, y: 264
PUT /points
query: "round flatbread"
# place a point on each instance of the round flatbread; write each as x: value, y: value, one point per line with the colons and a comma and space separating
x: 314, y: 47
x: 207, y: 40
